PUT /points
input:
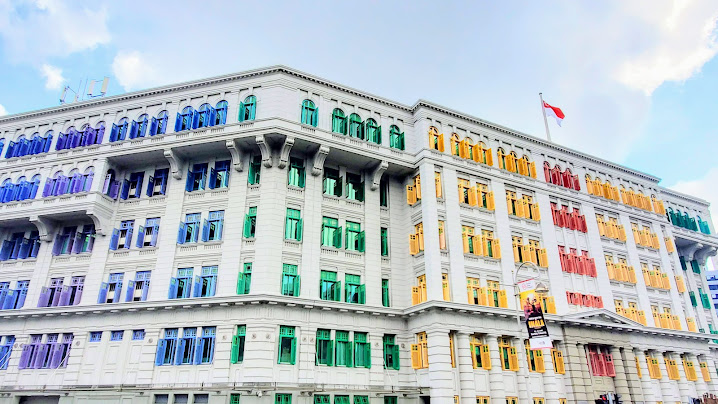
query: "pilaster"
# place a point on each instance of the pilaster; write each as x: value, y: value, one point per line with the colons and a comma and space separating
x: 441, y: 378
x: 467, y: 379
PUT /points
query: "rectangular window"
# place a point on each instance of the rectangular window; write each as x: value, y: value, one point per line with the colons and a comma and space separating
x: 385, y: 293
x: 287, y: 345
x: 181, y: 286
x: 296, y: 172
x: 341, y: 399
x: 282, y: 398
x: 384, y: 242
x: 116, y: 335
x: 420, y: 352
x: 191, y: 228
x: 391, y: 352
x: 237, y: 354
x: 212, y: 230
x: 391, y: 400
x: 250, y: 222
x: 329, y: 287
x: 186, y: 347
x: 219, y: 175
x: 147, y: 235
x: 290, y: 280
x: 85, y: 239
x: 325, y: 348
x: 167, y: 347
x: 132, y: 188
x: 355, y: 292
x: 355, y: 187
x: 293, y: 225
x: 244, y: 279
x: 384, y: 192
x: 206, y: 283
x: 138, y: 335
x: 6, y: 350
x: 138, y: 289
x: 95, y: 336
x: 123, y: 235
x: 110, y: 292
x: 321, y: 399
x: 196, y: 177
x: 157, y: 184
x: 509, y: 358
x: 362, y: 350
x: 331, y: 232
x: 206, y: 346
x: 344, y: 352
x: 255, y: 168
x: 234, y: 398
x: 332, y: 183
x: 354, y: 237
x: 480, y: 354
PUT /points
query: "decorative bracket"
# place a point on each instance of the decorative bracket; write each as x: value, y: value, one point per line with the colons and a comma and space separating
x: 236, y: 153
x: 45, y: 227
x: 377, y: 173
x: 690, y: 251
x: 175, y: 163
x: 265, y: 150
x: 99, y: 223
x: 703, y: 254
x: 284, y: 154
x: 318, y: 160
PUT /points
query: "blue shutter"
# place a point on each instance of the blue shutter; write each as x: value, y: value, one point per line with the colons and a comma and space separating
x: 190, y: 181
x: 57, y: 246
x: 125, y: 189
x: 212, y: 177
x: 155, y: 233
x: 240, y: 116
x: 163, y: 186
x: 153, y: 126
x: 172, y: 293
x: 33, y: 189
x: 145, y: 289
x: 9, y: 302
x: 6, y: 250
x: 178, y: 122
x: 138, y: 190
x: 195, y: 119
x: 205, y: 230
x: 220, y: 227
x: 130, y: 292
x: 61, y: 138
x: 102, y: 297
x: 197, y: 286
x: 161, y: 347
x: 181, y: 343
x: 128, y: 240
x: 198, y: 350
x: 24, y: 249
x: 10, y: 150
x: 48, y: 141
x: 118, y: 292
x: 212, y: 114
x: 113, y: 133
x: 133, y: 130
x: 181, y: 233
x: 150, y: 185
x: 114, y: 239
x: 140, y: 237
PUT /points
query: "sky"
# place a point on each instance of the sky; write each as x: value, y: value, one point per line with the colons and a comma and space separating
x: 637, y: 80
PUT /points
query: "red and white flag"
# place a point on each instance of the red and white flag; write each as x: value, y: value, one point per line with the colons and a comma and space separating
x: 553, y: 112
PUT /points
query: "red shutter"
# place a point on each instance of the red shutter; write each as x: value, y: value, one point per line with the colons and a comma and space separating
x: 610, y: 369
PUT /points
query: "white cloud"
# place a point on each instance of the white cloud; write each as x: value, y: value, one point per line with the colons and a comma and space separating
x: 683, y: 39
x: 704, y: 188
x: 3, y: 111
x: 53, y: 77
x: 32, y: 31
x: 134, y: 70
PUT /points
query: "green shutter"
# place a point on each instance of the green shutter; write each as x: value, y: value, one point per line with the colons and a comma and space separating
x: 395, y: 350
x: 338, y: 291
x: 297, y: 287
x: 240, y: 116
x: 235, y: 349
x: 338, y: 187
x: 300, y: 228
x: 385, y: 293
x: 362, y: 294
x: 361, y: 242
x: 338, y: 237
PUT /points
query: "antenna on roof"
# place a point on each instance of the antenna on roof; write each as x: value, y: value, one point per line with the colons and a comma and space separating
x: 80, y: 93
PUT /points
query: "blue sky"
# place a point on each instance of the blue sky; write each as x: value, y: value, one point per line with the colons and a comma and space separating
x: 638, y: 81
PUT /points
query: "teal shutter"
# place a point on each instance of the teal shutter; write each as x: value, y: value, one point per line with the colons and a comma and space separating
x: 292, y: 359
x: 247, y: 226
x: 338, y: 237
x: 297, y: 287
x: 362, y: 294
x: 361, y: 241
x: 338, y: 186
x: 235, y: 349
x: 300, y: 228
x: 240, y: 116
x: 240, y: 284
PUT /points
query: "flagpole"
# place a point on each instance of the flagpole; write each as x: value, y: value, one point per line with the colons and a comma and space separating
x: 545, y: 121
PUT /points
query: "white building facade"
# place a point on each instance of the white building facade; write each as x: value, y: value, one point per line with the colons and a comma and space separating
x: 273, y: 237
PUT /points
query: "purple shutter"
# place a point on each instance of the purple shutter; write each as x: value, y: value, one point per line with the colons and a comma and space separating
x: 155, y: 232
x: 56, y: 297
x: 56, y: 356
x: 88, y: 182
x: 78, y: 295
x: 125, y: 189
x: 114, y: 239
x: 100, y: 135
x: 40, y: 356
x: 106, y: 185
x: 21, y: 295
x: 25, y: 357
x: 77, y: 243
x: 102, y: 297
x: 114, y: 189
x: 145, y: 289
x: 78, y: 186
x: 130, y: 293
x: 128, y: 239
x: 118, y: 292
x: 44, y: 297
x: 64, y: 296
x: 57, y: 247
x: 140, y: 237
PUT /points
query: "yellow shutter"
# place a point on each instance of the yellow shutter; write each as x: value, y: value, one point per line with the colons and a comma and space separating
x: 485, y: 357
x: 509, y: 207
x: 413, y: 244
x: 538, y: 359
x: 415, y: 356
x: 483, y: 297
x: 410, y: 195
x: 490, y: 205
x: 551, y: 305
x: 472, y: 196
x: 706, y: 373
x: 451, y: 351
x: 632, y: 275
x: 496, y: 248
x: 543, y: 258
x: 559, y: 366
x: 465, y: 239
x: 503, y: 300
x: 474, y: 348
x: 489, y: 157
x: 437, y: 182
x: 513, y: 359
x: 611, y: 270
x: 441, y: 142
x: 415, y: 295
x: 478, y: 245
x: 424, y: 355
x: 476, y: 153
x: 516, y: 247
x: 532, y: 169
x: 445, y: 287
x: 638, y: 367
x: 535, y: 212
x: 526, y: 253
x: 680, y: 284
x: 522, y: 167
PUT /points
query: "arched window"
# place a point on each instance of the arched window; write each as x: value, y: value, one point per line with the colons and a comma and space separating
x: 58, y: 184
x: 119, y: 130
x: 396, y: 138
x: 356, y: 126
x: 68, y: 140
x: 221, y: 117
x: 247, y: 109
x: 373, y: 131
x: 547, y: 171
x: 7, y: 191
x: 87, y: 178
x: 455, y: 144
x: 486, y: 157
x: 99, y: 133
x: 436, y: 140
x: 339, y: 121
x: 22, y: 146
x: 111, y: 187
x: 184, y: 119
x: 466, y: 149
x: 2, y: 144
x: 309, y: 113
x: 501, y: 154
x: 206, y: 115
x: 159, y: 124
x: 139, y: 127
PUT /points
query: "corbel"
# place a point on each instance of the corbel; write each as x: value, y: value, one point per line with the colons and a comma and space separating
x: 236, y: 152
x: 265, y: 150
x: 318, y: 160
x: 284, y: 153
x: 98, y: 222
x: 690, y: 251
x: 377, y: 173
x: 175, y: 163
x: 703, y: 254
x: 45, y: 227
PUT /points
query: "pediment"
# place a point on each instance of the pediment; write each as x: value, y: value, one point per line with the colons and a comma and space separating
x: 601, y: 316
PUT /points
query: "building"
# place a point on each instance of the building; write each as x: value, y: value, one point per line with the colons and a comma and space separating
x: 273, y: 237
x: 712, y: 278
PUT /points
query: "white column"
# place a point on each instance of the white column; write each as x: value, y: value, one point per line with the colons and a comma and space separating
x: 650, y: 394
x: 454, y: 242
x: 441, y: 377
x: 430, y: 219
x: 550, y: 379
x: 467, y: 379
x: 634, y: 382
x: 620, y: 381
x: 523, y: 373
x: 496, y: 376
x: 685, y: 388
x: 372, y: 251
